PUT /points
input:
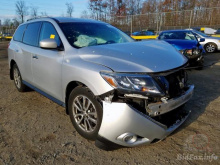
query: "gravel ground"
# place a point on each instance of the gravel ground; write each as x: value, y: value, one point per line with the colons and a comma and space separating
x: 34, y: 130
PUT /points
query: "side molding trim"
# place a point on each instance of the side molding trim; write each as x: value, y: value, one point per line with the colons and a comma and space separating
x: 45, y: 94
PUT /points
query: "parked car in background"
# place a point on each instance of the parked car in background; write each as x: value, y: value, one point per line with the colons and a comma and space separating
x: 206, y: 30
x: 211, y: 44
x: 117, y: 91
x: 142, y: 35
x: 186, y: 43
x: 6, y: 34
x: 218, y: 31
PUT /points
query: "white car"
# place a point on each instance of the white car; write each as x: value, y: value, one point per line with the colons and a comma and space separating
x: 211, y: 44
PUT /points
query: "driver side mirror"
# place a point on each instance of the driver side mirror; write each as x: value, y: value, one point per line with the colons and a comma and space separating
x: 201, y: 39
x: 48, y: 44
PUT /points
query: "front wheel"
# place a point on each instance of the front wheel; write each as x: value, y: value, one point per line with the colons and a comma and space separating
x: 85, y: 112
x: 210, y: 47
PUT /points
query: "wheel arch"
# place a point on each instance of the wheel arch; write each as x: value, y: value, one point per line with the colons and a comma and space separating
x: 70, y: 86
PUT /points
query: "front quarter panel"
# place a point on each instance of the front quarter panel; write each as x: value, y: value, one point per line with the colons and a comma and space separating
x: 76, y: 69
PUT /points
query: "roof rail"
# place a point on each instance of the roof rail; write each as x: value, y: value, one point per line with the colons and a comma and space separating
x: 38, y: 18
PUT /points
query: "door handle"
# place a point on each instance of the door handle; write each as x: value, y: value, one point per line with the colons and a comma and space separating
x: 35, y: 57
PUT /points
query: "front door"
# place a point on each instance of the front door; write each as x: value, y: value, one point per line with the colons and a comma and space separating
x: 47, y: 64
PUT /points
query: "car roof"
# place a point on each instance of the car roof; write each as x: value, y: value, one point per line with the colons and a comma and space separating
x: 68, y: 19
x: 64, y: 20
x: 177, y: 31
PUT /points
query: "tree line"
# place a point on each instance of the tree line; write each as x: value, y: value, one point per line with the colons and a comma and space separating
x: 99, y: 9
x: 154, y: 12
x: 22, y: 11
x: 118, y: 12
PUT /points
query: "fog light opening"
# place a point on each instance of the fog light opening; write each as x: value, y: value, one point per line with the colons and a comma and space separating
x: 130, y: 139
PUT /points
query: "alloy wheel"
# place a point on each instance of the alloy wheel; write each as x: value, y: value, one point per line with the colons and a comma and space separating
x: 84, y: 113
x: 210, y: 48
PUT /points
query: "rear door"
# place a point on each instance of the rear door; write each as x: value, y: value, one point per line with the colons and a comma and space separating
x: 26, y: 49
x: 47, y: 63
x: 15, y: 48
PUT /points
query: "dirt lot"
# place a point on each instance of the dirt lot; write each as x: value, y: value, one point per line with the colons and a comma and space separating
x: 34, y: 130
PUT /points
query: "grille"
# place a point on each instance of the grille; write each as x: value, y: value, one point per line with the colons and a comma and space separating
x: 177, y: 82
x: 173, y: 84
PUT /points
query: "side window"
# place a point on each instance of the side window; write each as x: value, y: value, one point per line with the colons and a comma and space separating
x: 49, y: 32
x: 150, y: 33
x: 31, y: 34
x: 19, y: 33
x: 198, y: 36
x: 139, y: 34
x: 142, y: 33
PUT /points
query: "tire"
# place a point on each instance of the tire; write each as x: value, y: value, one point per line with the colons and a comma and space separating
x: 18, y: 79
x: 85, y: 112
x: 210, y: 47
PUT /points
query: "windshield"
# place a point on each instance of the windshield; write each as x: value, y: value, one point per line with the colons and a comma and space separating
x: 81, y: 34
x: 179, y: 35
x: 200, y: 33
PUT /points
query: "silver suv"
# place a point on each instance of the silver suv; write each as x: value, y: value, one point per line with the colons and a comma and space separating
x: 116, y: 91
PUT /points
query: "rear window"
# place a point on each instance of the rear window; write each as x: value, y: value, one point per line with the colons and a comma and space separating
x: 31, y: 34
x: 19, y: 33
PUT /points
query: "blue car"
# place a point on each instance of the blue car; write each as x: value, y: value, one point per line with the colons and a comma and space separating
x: 143, y: 33
x: 186, y: 43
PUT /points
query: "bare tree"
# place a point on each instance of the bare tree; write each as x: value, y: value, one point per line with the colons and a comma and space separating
x: 70, y: 9
x: 15, y: 22
x: 21, y: 9
x: 7, y: 22
x: 44, y: 14
x: 85, y: 14
x: 34, y: 12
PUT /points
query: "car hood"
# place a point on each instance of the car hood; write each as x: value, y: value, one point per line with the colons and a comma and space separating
x: 146, y: 56
x: 182, y: 44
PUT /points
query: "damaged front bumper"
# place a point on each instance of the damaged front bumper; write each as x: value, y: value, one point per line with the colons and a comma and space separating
x: 155, y: 109
x: 196, y: 59
x: 124, y: 125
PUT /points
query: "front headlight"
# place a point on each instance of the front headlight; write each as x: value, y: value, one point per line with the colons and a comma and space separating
x: 182, y: 51
x: 132, y: 82
x: 196, y: 51
x: 189, y: 52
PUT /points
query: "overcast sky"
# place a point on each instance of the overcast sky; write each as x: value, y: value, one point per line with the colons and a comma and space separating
x: 52, y: 7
